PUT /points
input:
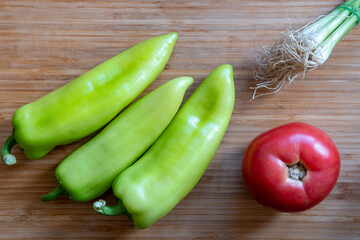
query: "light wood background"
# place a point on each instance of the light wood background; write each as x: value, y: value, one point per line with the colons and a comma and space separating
x: 47, y: 43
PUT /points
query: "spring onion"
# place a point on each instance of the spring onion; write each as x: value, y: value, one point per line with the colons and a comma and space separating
x: 303, y: 50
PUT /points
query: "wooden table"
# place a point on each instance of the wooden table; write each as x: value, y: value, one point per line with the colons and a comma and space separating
x: 47, y: 43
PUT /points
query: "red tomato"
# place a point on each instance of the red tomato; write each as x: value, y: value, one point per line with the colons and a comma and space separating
x: 292, y: 167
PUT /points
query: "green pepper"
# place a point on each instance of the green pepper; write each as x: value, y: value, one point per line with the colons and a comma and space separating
x: 89, y: 102
x: 170, y: 169
x: 91, y: 169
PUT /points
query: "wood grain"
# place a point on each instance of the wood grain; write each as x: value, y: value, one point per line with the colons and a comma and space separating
x: 47, y: 43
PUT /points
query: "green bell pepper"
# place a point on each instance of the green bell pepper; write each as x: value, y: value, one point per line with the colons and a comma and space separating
x: 89, y: 102
x: 170, y: 169
x: 90, y: 170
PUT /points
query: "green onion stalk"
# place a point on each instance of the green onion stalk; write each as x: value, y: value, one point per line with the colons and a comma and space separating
x: 303, y: 50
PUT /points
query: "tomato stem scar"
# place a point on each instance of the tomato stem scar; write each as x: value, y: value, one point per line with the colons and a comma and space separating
x: 296, y: 171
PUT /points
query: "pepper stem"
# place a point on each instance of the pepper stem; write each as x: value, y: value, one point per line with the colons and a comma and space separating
x: 57, y: 192
x: 101, y: 207
x: 6, y: 155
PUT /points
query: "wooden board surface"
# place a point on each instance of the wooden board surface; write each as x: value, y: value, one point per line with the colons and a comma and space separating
x: 47, y: 43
